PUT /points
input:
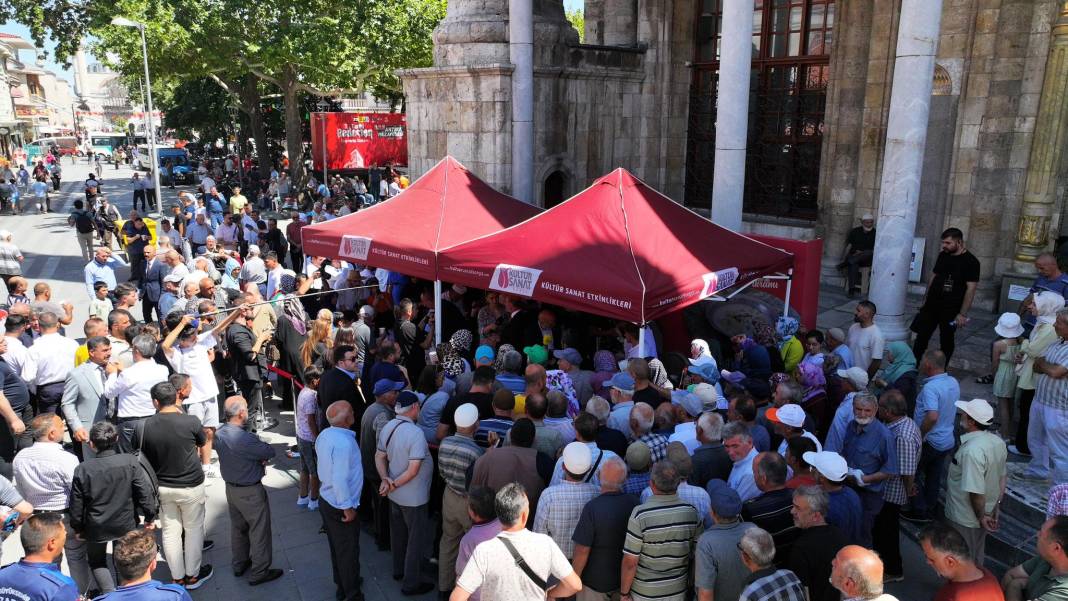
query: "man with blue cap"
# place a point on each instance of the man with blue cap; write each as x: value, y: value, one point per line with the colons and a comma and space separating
x: 718, y: 563
x: 688, y: 407
x: 569, y: 361
x: 622, y: 392
x: 377, y: 415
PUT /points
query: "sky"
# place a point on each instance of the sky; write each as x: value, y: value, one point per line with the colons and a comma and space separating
x: 573, y: 4
x: 27, y: 56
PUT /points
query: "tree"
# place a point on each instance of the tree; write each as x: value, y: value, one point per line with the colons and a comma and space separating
x: 577, y: 18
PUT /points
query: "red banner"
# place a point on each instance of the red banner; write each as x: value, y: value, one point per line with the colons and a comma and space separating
x: 359, y: 140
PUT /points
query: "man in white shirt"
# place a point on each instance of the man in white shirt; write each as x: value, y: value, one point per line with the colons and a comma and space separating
x: 274, y: 272
x: 688, y: 407
x: 197, y: 233
x: 44, y: 474
x: 17, y: 355
x: 53, y: 354
x: 131, y: 387
x: 865, y: 339
x: 226, y: 232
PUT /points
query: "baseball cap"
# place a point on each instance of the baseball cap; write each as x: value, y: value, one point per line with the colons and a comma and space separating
x: 723, y: 499
x: 577, y: 458
x: 867, y: 217
x: 622, y: 381
x: 568, y: 354
x: 484, y: 354
x: 406, y: 398
x: 536, y: 354
x: 173, y: 278
x: 707, y: 371
x: 639, y: 457
x: 385, y: 385
x: 466, y: 415
x: 828, y: 463
x: 977, y: 409
x: 734, y: 377
x: 690, y: 402
x: 857, y: 376
x: 790, y: 414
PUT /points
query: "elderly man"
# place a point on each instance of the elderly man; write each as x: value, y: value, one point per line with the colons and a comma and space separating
x: 641, y: 430
x: 586, y: 434
x: 770, y: 509
x: 858, y: 251
x: 660, y: 540
x: 561, y: 504
x: 1047, y: 440
x: 739, y: 446
x: 226, y: 233
x: 818, y: 542
x: 836, y: 343
x: 766, y: 582
x: 934, y: 416
x: 406, y: 468
x: 1042, y: 578
x: 720, y: 572
x: 843, y: 509
x: 976, y: 480
x: 569, y: 361
x: 131, y: 387
x: 687, y: 407
x: 710, y: 459
x: 606, y: 438
x: 496, y: 578
x: 871, y: 454
x: 254, y: 270
x: 242, y: 458
x: 341, y: 477
x: 152, y: 284
x: 197, y: 234
x: 456, y: 454
x: 53, y: 354
x: 600, y: 534
x: 83, y: 401
x: 101, y: 269
x: 858, y: 574
x: 247, y: 361
x: 948, y: 554
x: 621, y: 389
x: 44, y: 474
x: 1050, y: 278
x: 519, y: 461
x: 885, y: 533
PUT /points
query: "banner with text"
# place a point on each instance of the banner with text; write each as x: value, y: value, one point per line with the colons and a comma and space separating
x: 358, y: 140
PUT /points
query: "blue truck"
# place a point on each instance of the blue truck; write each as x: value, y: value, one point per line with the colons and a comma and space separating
x: 181, y: 171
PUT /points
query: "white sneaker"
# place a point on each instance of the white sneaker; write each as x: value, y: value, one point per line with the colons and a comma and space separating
x: 302, y: 501
x: 313, y: 504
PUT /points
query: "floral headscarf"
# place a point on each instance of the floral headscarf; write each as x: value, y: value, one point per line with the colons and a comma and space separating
x: 778, y: 378
x: 556, y: 379
x: 812, y: 380
x: 763, y: 334
x: 498, y: 361
x: 604, y: 361
x: 461, y: 341
x: 450, y: 360
x: 786, y: 327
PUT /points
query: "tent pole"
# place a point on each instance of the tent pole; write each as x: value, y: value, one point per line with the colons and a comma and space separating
x: 789, y: 287
x: 437, y: 312
x: 641, y: 340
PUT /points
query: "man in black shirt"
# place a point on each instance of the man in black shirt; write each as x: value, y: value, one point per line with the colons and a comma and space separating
x: 812, y: 552
x: 710, y: 460
x: 771, y: 509
x: 249, y: 365
x: 171, y: 442
x: 950, y: 290
x: 644, y: 391
x: 602, y: 529
x: 16, y: 395
x: 411, y: 339
x: 859, y: 249
x: 481, y: 396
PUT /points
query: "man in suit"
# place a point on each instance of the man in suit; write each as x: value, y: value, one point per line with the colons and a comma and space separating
x: 83, y: 402
x: 152, y: 285
x: 339, y: 383
x: 543, y: 331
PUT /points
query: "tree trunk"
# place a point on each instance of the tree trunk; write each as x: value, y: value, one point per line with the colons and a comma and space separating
x: 294, y: 139
x: 250, y: 98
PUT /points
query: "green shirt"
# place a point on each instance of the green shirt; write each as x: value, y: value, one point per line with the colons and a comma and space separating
x: 978, y: 467
x: 662, y: 533
x: 1041, y: 586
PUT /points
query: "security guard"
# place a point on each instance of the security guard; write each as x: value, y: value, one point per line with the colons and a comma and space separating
x: 37, y: 576
x: 135, y: 559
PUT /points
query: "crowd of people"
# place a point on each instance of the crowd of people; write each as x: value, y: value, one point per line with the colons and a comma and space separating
x: 533, y: 452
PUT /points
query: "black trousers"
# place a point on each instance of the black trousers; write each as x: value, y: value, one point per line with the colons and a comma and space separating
x: 1026, y: 396
x: 925, y: 323
x: 296, y: 258
x: 49, y: 397
x: 139, y: 195
x: 344, y: 540
x: 150, y: 195
x: 253, y: 393
x: 885, y: 539
x: 97, y: 555
x: 147, y: 309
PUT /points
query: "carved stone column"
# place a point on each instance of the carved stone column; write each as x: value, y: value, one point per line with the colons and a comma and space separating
x: 1047, y: 149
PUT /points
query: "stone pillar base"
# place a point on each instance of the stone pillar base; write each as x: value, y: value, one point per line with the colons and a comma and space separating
x: 1013, y: 284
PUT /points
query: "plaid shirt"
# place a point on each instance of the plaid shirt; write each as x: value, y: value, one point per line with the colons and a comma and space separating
x: 559, y: 510
x: 1053, y: 392
x: 657, y: 444
x: 907, y: 442
x: 455, y: 455
x: 769, y: 583
x: 1058, y: 501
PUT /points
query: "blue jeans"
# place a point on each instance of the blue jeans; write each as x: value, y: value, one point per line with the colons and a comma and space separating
x: 216, y: 219
x: 929, y: 472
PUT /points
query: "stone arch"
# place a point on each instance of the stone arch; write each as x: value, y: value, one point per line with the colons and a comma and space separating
x: 943, y: 83
x: 554, y: 182
x: 554, y: 189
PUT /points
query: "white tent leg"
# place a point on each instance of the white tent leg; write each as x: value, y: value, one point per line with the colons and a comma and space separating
x: 641, y: 340
x: 437, y: 312
x: 789, y: 287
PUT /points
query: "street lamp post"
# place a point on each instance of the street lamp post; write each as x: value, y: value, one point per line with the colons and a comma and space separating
x: 323, y: 106
x: 150, y: 126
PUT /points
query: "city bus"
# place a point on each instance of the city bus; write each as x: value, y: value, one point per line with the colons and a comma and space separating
x: 103, y: 144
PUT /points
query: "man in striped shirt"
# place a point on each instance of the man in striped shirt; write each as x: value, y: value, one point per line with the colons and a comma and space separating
x: 907, y: 443
x: 661, y: 534
x: 456, y: 454
x: 561, y: 505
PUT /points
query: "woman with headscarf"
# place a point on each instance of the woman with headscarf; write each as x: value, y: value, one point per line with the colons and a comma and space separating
x: 451, y: 362
x: 290, y: 332
x: 764, y: 335
x: 229, y: 276
x: 899, y: 372
x: 604, y: 367
x: 1044, y: 306
x: 752, y: 358
x: 790, y: 347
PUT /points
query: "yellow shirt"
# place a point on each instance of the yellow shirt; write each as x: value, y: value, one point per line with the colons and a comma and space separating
x: 520, y: 405
x: 81, y: 355
x: 237, y: 203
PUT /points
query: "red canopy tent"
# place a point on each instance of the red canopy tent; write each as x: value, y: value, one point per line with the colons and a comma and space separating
x: 444, y: 207
x: 619, y: 249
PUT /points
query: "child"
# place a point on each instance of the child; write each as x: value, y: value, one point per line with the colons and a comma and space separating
x: 101, y: 305
x: 1003, y: 359
x: 307, y: 423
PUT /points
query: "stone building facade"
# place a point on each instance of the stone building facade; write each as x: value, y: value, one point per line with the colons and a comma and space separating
x: 640, y: 93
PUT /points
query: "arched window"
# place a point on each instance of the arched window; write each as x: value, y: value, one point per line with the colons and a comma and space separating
x: 788, y: 92
x: 554, y: 190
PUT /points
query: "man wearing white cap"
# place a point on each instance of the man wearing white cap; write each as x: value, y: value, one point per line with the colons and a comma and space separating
x: 688, y: 407
x: 836, y: 343
x: 854, y: 380
x: 844, y: 509
x: 859, y: 249
x: 1046, y: 435
x: 976, y: 479
x: 456, y: 454
x: 789, y: 422
x: 560, y: 505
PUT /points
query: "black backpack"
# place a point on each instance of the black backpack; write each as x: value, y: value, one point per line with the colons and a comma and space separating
x: 83, y: 222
